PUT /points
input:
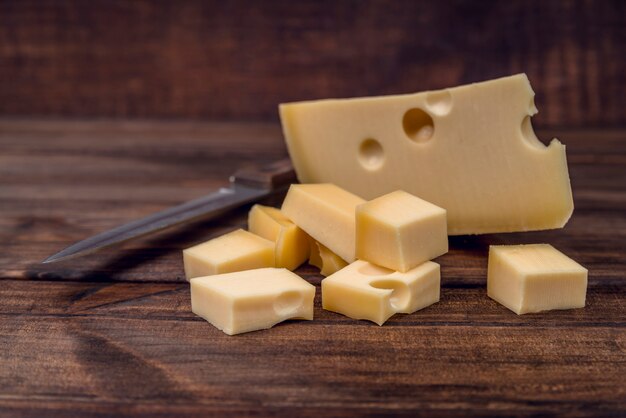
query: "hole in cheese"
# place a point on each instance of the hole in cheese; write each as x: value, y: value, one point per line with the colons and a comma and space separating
x: 529, y: 134
x: 371, y: 154
x: 418, y: 125
x: 439, y: 102
x: 400, y: 296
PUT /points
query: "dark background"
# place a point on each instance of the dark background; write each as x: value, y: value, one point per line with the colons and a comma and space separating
x: 236, y: 60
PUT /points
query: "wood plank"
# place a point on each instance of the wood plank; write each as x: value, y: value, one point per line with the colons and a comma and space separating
x: 461, y: 304
x: 325, y: 365
x: 112, y: 334
x: 214, y: 60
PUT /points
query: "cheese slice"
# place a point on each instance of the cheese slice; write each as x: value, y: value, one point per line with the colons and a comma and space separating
x: 534, y: 278
x: 366, y: 291
x: 400, y: 231
x: 292, y: 243
x: 251, y: 300
x: 470, y: 150
x: 238, y: 250
x: 325, y: 212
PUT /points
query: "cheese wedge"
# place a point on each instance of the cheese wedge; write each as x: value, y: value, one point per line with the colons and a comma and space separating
x: 292, y: 243
x: 366, y: 291
x: 251, y: 300
x: 470, y: 150
x: 535, y: 278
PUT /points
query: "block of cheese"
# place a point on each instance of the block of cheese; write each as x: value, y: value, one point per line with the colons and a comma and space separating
x: 366, y: 291
x: 327, y: 261
x: 251, y: 300
x: 470, y: 150
x: 292, y: 243
x: 400, y: 231
x: 235, y: 251
x: 534, y: 278
x: 326, y: 213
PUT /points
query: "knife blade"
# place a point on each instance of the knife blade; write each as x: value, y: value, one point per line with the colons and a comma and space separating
x: 247, y: 185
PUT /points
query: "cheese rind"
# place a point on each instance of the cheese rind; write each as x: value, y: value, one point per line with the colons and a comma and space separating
x: 292, y: 243
x: 325, y: 212
x: 235, y: 251
x: 366, y: 291
x: 251, y: 300
x: 535, y: 278
x: 470, y: 150
x: 400, y: 231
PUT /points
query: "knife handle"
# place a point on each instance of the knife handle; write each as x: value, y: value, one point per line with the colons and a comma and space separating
x: 277, y: 175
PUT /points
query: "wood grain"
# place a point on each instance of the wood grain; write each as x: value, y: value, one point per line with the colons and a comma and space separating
x: 112, y: 334
x: 237, y: 60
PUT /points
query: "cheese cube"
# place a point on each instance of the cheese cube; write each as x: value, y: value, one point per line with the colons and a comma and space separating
x: 366, y: 291
x: 292, y: 243
x: 251, y: 300
x: 534, y: 278
x: 326, y: 213
x: 327, y: 261
x: 400, y: 231
x: 235, y: 251
x: 469, y: 149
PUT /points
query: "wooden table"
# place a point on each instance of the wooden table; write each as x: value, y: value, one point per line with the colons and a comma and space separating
x: 113, y: 334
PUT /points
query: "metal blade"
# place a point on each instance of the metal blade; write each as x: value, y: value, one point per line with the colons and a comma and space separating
x: 204, y: 207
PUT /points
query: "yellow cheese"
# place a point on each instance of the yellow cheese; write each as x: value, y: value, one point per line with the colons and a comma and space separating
x: 400, y: 231
x: 366, y: 291
x: 534, y: 278
x: 470, y: 150
x: 327, y: 261
x: 235, y: 251
x: 315, y: 259
x: 251, y: 300
x: 326, y: 213
x: 292, y: 243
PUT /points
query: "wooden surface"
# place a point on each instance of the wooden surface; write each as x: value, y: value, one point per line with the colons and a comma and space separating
x: 211, y: 59
x: 112, y: 333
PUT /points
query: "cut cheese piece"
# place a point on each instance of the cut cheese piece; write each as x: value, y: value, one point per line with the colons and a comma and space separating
x: 534, y: 278
x: 470, y: 150
x: 325, y: 212
x: 400, y: 231
x: 292, y: 243
x: 251, y: 300
x: 235, y: 251
x: 315, y: 259
x: 327, y: 261
x: 366, y: 291
x: 331, y: 262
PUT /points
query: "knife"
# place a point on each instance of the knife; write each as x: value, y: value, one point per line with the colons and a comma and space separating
x: 246, y: 185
